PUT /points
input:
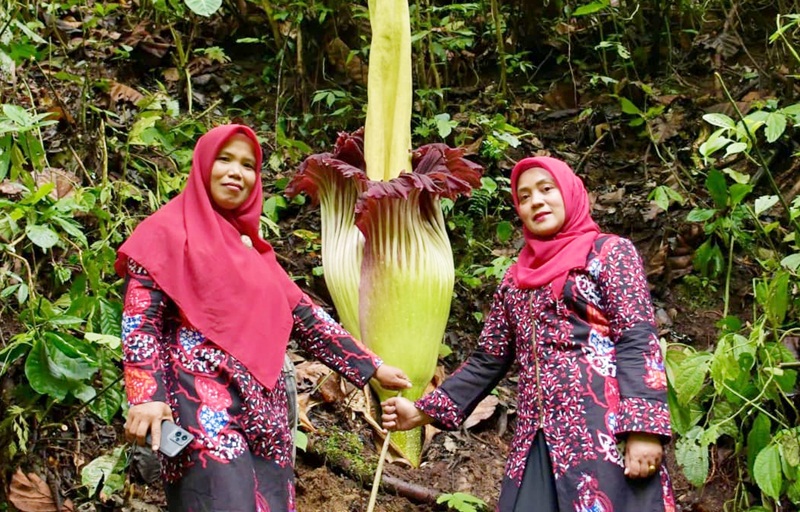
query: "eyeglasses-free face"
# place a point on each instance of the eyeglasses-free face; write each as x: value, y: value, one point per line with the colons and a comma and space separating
x: 233, y: 174
x: 541, y: 205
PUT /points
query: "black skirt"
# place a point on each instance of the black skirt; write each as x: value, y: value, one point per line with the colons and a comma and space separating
x: 538, y: 490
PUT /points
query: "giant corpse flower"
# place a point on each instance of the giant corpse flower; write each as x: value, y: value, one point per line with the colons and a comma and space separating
x: 385, y: 251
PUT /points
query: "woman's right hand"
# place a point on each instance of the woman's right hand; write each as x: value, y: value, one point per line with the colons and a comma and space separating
x: 401, y: 414
x: 146, y: 417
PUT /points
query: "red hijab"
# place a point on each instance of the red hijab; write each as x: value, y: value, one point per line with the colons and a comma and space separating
x: 549, y: 260
x: 237, y: 296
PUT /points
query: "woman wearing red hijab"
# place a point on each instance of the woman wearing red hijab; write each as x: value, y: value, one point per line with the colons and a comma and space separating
x: 574, y: 312
x: 207, y: 318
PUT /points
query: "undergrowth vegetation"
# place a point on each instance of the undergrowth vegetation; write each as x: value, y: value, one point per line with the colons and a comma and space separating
x: 101, y: 103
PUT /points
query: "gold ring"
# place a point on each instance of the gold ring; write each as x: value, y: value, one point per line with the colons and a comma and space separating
x: 652, y: 468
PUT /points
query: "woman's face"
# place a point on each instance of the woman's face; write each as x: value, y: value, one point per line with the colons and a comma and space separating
x: 233, y: 174
x: 541, y: 206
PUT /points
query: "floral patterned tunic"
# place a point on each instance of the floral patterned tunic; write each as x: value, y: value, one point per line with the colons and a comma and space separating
x: 241, y: 456
x: 591, y: 370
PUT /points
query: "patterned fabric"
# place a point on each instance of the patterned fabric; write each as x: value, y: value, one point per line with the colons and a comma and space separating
x: 241, y: 428
x: 591, y: 370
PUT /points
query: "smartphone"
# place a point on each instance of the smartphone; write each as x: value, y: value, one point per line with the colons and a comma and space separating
x: 173, y: 439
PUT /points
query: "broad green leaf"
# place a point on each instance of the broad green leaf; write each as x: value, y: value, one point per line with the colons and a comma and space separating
x: 52, y: 373
x: 689, y: 380
x: 791, y: 262
x: 713, y: 144
x: 693, y: 457
x: 488, y: 184
x: 776, y: 125
x: 69, y: 345
x: 700, y: 214
x: 18, y: 115
x: 504, y: 231
x: 723, y: 365
x: 720, y: 120
x: 739, y: 191
x: 106, y: 469
x: 717, y: 188
x: 83, y: 392
x: 778, y: 299
x: 675, y: 195
x: 790, y: 448
x: 738, y: 177
x: 683, y: 417
x: 106, y: 404
x: 767, y: 471
x: 443, y: 124
x: 107, y: 340
x: 300, y: 440
x: 37, y: 195
x: 757, y: 438
x: 204, y: 7
x: 735, y: 148
x: 591, y: 8
x: 42, y: 236
x: 764, y: 203
x: 744, y: 351
x: 111, y: 318
x: 73, y: 229
x: 791, y: 110
x: 22, y: 293
x: 793, y: 492
x: 628, y: 107
x: 5, y: 155
x: 659, y: 196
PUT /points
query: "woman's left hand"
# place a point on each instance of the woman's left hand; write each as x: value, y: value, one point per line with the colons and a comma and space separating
x: 643, y: 453
x: 391, y: 377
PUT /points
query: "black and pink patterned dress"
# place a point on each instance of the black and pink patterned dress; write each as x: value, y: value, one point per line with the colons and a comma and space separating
x: 591, y: 370
x: 241, y: 457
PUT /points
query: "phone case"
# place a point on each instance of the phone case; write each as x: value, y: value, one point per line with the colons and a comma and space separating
x: 173, y: 438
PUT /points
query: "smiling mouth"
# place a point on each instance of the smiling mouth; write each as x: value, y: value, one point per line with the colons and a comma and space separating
x: 233, y: 186
x: 540, y: 216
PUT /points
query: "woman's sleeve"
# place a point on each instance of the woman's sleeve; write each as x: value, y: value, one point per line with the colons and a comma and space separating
x: 143, y: 352
x: 328, y: 341
x: 640, y: 364
x: 451, y: 403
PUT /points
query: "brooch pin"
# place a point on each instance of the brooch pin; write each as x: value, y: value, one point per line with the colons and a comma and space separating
x: 247, y: 242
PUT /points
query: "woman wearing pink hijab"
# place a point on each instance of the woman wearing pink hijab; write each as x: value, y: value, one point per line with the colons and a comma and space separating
x: 574, y: 312
x: 207, y: 317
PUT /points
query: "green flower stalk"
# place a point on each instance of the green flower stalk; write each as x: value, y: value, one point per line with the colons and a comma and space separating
x: 387, y: 136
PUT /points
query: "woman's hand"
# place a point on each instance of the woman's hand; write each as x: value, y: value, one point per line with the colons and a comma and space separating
x: 643, y: 453
x: 391, y: 377
x: 400, y: 414
x: 144, y: 418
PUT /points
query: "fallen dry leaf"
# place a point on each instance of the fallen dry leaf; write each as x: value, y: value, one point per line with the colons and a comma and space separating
x: 29, y: 493
x: 612, y: 197
x: 11, y: 188
x: 121, y: 92
x: 652, y: 211
x: 304, y: 404
x: 171, y: 75
x: 64, y: 181
x: 483, y: 411
x: 330, y: 388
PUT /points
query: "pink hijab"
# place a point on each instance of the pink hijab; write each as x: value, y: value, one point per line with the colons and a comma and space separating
x: 549, y: 260
x: 239, y: 297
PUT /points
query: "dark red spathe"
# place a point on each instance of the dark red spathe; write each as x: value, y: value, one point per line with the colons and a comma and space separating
x: 237, y: 296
